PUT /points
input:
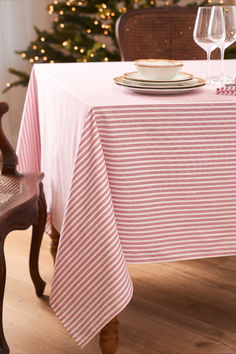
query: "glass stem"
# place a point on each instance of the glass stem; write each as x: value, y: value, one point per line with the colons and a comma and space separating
x: 222, y: 55
x: 208, y: 63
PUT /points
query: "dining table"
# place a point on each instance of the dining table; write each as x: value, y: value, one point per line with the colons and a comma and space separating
x: 129, y: 178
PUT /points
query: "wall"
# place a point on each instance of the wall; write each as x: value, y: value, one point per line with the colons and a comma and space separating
x: 17, y: 18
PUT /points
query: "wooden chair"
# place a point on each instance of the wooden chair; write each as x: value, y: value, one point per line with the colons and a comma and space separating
x: 162, y: 32
x: 22, y: 204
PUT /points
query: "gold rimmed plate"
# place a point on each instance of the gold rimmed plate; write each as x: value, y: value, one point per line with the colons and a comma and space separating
x: 135, y: 76
x: 171, y: 88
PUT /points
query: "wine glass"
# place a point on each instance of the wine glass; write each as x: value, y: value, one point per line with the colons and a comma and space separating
x: 209, y: 31
x: 229, y: 13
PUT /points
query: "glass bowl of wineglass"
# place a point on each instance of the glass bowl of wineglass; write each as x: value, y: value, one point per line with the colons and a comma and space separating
x: 229, y: 13
x: 209, y: 31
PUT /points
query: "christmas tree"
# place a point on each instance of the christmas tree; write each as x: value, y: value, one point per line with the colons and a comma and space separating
x: 82, y: 31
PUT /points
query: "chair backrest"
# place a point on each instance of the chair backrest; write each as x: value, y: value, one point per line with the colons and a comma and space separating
x: 162, y: 32
x: 8, y: 154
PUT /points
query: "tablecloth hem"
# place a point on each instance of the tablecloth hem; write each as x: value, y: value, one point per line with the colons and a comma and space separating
x: 180, y: 258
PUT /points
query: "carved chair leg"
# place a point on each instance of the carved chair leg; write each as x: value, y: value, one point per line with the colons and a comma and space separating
x: 55, y: 236
x: 37, y: 234
x: 109, y: 337
x: 3, y: 344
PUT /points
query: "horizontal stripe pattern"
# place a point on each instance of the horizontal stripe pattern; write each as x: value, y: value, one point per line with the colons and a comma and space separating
x: 150, y: 184
x: 187, y: 163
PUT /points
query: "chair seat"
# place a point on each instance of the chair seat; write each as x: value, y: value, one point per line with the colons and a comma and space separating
x: 19, y: 191
x: 10, y: 186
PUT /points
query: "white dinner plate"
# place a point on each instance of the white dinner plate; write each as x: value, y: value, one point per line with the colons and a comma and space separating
x: 175, y: 88
x: 180, y: 84
x: 135, y: 76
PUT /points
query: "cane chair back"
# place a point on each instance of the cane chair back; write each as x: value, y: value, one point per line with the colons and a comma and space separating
x: 162, y: 32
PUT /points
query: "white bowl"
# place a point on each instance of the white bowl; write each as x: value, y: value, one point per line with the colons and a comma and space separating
x: 158, y: 69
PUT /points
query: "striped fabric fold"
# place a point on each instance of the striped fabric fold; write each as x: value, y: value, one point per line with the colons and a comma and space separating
x: 29, y: 145
x: 151, y: 183
x: 91, y: 282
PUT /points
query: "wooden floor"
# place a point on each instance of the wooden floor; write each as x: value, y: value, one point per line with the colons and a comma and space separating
x: 178, y: 308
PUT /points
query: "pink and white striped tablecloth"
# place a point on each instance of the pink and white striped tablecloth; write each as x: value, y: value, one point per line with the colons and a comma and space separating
x: 129, y: 178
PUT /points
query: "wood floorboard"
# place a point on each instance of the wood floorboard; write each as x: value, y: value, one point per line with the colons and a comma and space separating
x: 183, y: 307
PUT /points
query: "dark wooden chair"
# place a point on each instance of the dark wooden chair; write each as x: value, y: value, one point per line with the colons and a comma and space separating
x: 22, y: 204
x: 162, y: 32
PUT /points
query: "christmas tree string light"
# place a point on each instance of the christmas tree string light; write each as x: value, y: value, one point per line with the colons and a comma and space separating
x: 79, y: 29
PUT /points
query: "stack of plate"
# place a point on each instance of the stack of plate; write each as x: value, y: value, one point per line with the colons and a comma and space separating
x: 181, y: 83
